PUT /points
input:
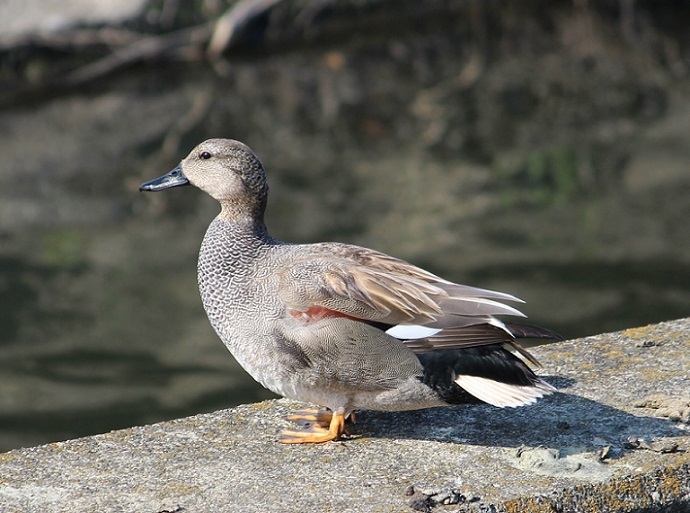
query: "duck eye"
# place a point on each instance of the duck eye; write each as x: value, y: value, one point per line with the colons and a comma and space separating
x: 204, y: 155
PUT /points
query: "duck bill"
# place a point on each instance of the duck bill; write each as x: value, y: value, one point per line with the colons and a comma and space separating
x: 174, y: 178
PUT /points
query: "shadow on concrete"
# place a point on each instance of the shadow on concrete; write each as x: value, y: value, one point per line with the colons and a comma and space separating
x: 561, y: 421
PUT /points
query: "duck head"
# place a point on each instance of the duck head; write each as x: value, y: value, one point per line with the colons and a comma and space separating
x: 225, y: 169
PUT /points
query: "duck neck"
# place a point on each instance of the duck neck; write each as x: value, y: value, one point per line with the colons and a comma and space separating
x: 229, y: 260
x: 237, y: 237
x: 244, y: 210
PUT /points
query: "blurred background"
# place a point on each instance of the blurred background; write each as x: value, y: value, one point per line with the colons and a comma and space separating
x: 538, y: 148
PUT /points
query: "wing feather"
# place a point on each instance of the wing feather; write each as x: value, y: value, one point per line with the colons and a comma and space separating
x: 377, y: 288
x: 367, y: 293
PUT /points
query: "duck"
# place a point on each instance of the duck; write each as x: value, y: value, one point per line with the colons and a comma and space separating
x: 341, y: 326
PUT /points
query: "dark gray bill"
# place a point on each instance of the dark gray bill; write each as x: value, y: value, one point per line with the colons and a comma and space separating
x: 174, y: 178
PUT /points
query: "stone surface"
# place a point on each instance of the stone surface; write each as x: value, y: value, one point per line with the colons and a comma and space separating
x: 606, y: 442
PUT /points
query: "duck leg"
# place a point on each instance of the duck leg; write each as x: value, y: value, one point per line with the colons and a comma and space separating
x: 322, y: 418
x: 318, y: 432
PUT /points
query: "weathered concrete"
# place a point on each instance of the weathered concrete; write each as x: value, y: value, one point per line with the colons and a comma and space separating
x: 615, y: 439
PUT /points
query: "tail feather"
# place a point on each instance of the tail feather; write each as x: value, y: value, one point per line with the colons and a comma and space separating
x: 531, y: 331
x: 504, y: 394
x: 489, y: 373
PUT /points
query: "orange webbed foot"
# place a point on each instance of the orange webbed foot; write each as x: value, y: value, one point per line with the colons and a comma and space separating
x: 321, y: 418
x: 327, y: 426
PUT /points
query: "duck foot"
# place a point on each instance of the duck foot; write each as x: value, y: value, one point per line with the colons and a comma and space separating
x: 326, y: 426
x: 322, y: 418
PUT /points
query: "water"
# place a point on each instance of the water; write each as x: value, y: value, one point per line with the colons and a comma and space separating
x: 498, y: 167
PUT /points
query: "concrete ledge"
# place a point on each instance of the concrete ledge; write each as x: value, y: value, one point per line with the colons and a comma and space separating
x: 615, y: 439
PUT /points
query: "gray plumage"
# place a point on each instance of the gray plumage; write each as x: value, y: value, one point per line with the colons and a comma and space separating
x: 310, y: 321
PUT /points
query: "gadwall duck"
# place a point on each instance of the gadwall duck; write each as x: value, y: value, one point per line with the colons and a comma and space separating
x: 343, y: 326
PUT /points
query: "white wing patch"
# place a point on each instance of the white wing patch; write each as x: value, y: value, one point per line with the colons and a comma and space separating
x: 503, y: 394
x: 412, y: 331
